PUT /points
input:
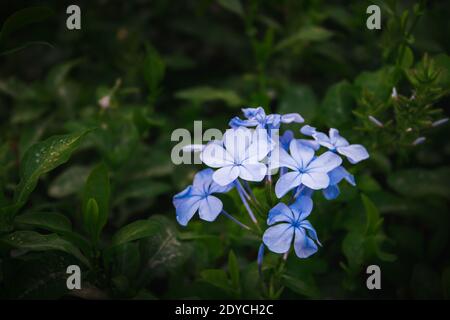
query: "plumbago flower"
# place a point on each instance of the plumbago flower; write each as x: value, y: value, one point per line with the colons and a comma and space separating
x: 252, y: 151
x: 239, y: 156
x: 336, y: 143
x: 306, y: 169
x: 198, y: 197
x: 288, y: 225
x: 256, y: 117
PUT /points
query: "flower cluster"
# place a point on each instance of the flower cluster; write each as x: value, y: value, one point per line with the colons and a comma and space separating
x: 252, y: 151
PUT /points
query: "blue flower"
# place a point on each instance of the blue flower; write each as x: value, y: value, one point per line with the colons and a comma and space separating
x: 332, y: 191
x: 336, y: 143
x: 256, y: 117
x: 288, y: 225
x: 307, y: 170
x: 198, y: 197
x: 336, y: 176
x: 238, y: 156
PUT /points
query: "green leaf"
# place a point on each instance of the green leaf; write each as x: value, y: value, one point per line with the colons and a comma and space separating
x: 144, y: 188
x: 33, y: 241
x: 442, y: 62
x: 42, y: 158
x: 407, y: 59
x: 68, y: 182
x: 136, y: 230
x: 305, y: 287
x: 96, y: 196
x: 307, y: 34
x: 154, y: 70
x: 217, y: 278
x: 234, y: 6
x: 38, y: 276
x: 299, y: 99
x: 163, y: 251
x: 420, y: 182
x: 336, y: 107
x: 353, y: 250
x: 379, y: 83
x: 204, y: 94
x: 372, y: 215
x: 233, y: 269
x: 24, y: 17
x: 49, y: 221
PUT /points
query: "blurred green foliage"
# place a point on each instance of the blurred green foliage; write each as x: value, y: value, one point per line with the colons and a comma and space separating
x: 86, y: 121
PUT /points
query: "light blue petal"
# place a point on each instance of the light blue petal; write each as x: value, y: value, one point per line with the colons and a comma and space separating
x: 287, y: 182
x: 273, y: 121
x: 237, y: 122
x: 302, y: 207
x: 203, y: 179
x: 188, y: 192
x: 336, y: 139
x: 331, y: 192
x: 323, y: 140
x: 280, y: 213
x: 304, y: 191
x: 251, y: 113
x: 303, y: 245
x: 186, y: 205
x: 301, y: 153
x: 252, y: 171
x: 310, y: 143
x: 336, y: 176
x: 209, y: 208
x: 307, y: 130
x: 324, y: 163
x: 311, y: 232
x: 315, y: 180
x: 226, y: 175
x: 354, y: 153
x: 279, y: 158
x: 292, y: 117
x: 279, y: 237
x: 286, y: 138
x: 215, y: 156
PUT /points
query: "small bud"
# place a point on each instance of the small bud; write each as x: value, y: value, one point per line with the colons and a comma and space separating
x: 439, y: 122
x: 418, y: 141
x: 105, y: 102
x: 394, y: 94
x: 413, y: 96
x: 409, y: 130
x: 376, y: 121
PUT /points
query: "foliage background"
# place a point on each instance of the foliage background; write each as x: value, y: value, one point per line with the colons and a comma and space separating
x: 165, y: 64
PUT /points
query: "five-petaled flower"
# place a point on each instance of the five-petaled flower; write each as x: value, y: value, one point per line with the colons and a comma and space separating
x: 198, y: 197
x: 288, y: 225
x: 240, y: 156
x: 336, y: 143
x: 256, y: 117
x: 307, y: 170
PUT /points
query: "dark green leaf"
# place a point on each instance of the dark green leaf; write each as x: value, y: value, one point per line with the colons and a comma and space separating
x: 96, y: 196
x: 33, y: 241
x: 49, y: 221
x: 42, y: 158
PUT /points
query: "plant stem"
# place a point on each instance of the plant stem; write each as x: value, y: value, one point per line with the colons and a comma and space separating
x: 235, y: 220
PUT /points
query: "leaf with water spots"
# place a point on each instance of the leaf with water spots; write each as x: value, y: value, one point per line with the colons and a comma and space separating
x: 34, y: 241
x: 43, y: 157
